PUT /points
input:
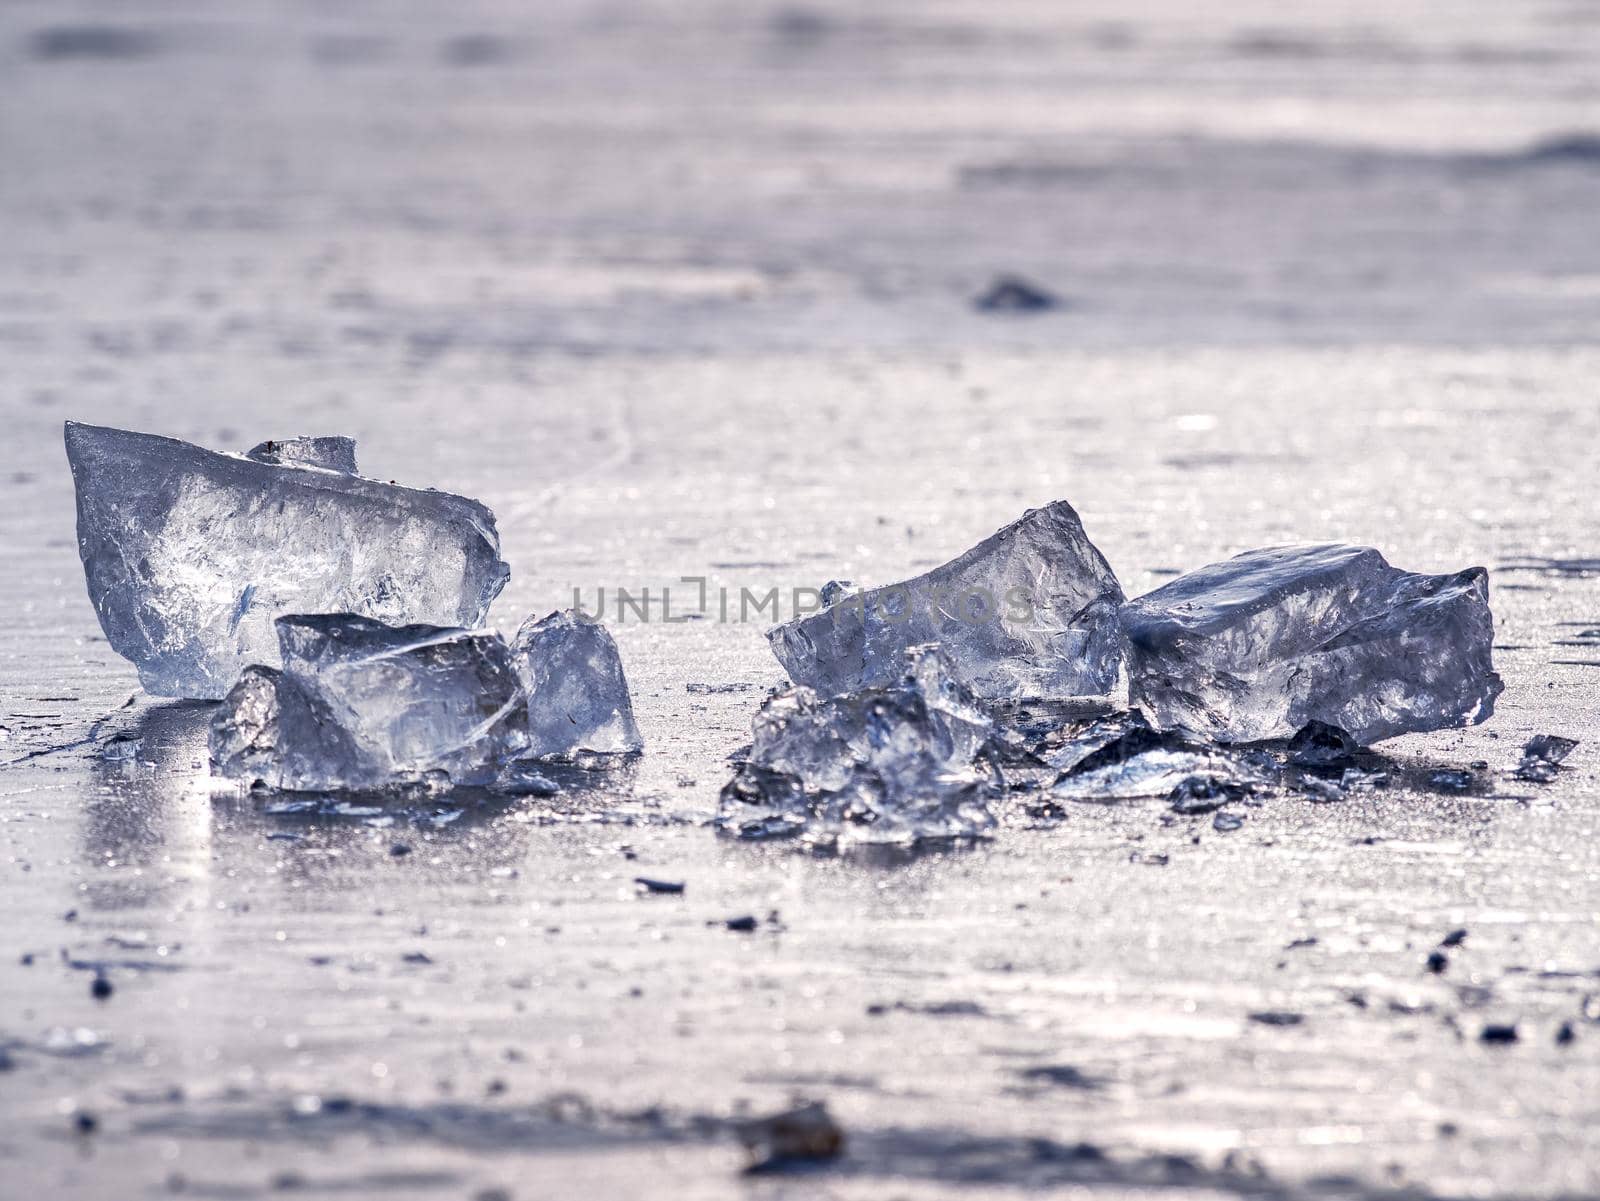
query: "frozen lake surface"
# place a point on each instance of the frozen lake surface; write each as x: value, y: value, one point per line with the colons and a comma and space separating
x: 684, y: 290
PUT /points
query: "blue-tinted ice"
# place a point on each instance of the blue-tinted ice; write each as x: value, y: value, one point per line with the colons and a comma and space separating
x: 577, y: 695
x: 889, y: 764
x: 1261, y: 645
x: 191, y: 555
x: 1031, y: 611
x: 362, y: 706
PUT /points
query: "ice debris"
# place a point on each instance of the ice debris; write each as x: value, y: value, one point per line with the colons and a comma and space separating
x: 1258, y: 646
x: 1542, y: 757
x: 886, y: 764
x: 331, y: 453
x: 1318, y: 744
x: 1121, y: 757
x: 190, y: 555
x: 122, y: 748
x: 359, y: 705
x: 577, y: 696
x: 804, y: 1133
x: 1031, y: 611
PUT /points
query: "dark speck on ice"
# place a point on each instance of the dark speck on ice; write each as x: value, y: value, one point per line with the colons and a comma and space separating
x: 1277, y: 1017
x: 649, y: 885
x: 92, y: 42
x: 1012, y: 294
x: 1061, y: 1075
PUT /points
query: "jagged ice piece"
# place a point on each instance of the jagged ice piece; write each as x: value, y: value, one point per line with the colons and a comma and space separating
x: 244, y: 731
x: 331, y: 453
x: 190, y: 555
x: 892, y: 764
x: 1120, y: 756
x: 578, y: 698
x: 1260, y: 645
x: 1031, y: 611
x: 362, y: 706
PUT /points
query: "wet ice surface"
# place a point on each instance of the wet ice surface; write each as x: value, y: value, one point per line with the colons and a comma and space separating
x: 361, y: 999
x: 1261, y: 645
x: 191, y: 555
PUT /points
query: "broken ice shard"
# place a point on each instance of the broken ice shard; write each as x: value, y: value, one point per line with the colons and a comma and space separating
x: 1542, y: 757
x: 892, y: 764
x: 362, y: 706
x: 1261, y: 645
x: 1120, y: 757
x: 244, y: 731
x: 331, y: 453
x: 578, y: 698
x: 190, y: 555
x: 1029, y: 612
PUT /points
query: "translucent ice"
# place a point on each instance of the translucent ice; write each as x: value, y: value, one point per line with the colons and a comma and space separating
x: 331, y: 453
x: 1542, y: 757
x: 244, y: 731
x: 891, y: 764
x: 359, y: 705
x: 1119, y: 757
x: 1260, y: 645
x: 1029, y: 612
x: 190, y: 555
x: 578, y: 698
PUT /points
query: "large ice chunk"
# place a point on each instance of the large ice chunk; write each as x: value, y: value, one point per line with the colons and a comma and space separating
x: 359, y: 706
x: 1029, y: 612
x: 578, y: 698
x: 893, y: 764
x: 1264, y: 643
x: 190, y: 555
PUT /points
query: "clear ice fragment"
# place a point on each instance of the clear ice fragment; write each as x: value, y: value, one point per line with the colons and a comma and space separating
x: 1031, y: 611
x: 362, y: 706
x: 1542, y: 757
x: 891, y: 764
x: 523, y: 777
x: 1113, y: 738
x: 191, y: 555
x: 244, y: 731
x: 578, y: 700
x: 1318, y: 744
x: 122, y: 748
x: 331, y: 453
x: 1164, y: 771
x: 1261, y: 645
x: 1204, y: 794
x: 1120, y: 757
x: 834, y: 591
